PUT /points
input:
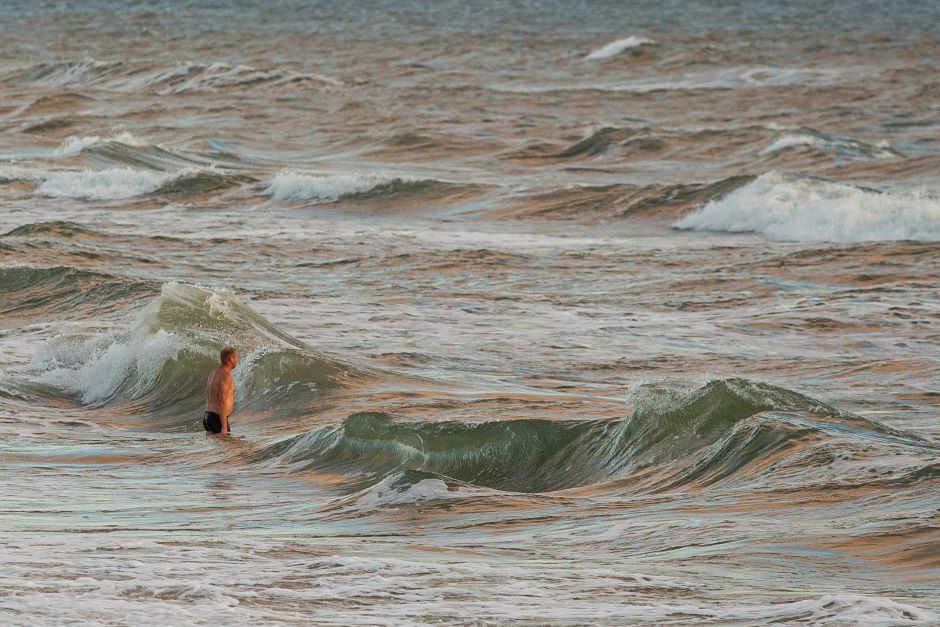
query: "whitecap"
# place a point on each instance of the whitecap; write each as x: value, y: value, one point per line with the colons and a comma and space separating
x: 293, y: 186
x: 110, y: 184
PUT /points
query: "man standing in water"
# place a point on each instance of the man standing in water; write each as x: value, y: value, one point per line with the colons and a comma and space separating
x: 220, y: 393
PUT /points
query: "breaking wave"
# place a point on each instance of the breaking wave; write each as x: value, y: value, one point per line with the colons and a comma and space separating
x: 126, y: 182
x: 795, y: 208
x: 160, y: 364
x: 334, y: 187
x: 293, y: 186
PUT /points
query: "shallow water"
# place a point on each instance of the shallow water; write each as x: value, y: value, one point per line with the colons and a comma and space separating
x: 547, y: 312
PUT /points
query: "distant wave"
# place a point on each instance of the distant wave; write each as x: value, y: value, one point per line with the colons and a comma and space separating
x: 74, y: 144
x: 599, y: 142
x: 123, y: 183
x: 294, y: 186
x: 125, y: 149
x: 623, y: 200
x: 354, y: 186
x: 110, y: 184
x: 188, y: 77
x: 61, y: 292
x: 180, y: 78
x: 616, y: 47
x: 66, y: 73
x: 795, y: 208
x: 743, y: 77
x: 58, y: 228
x: 839, y: 145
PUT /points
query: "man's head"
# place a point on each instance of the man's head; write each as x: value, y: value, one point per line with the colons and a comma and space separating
x: 229, y: 357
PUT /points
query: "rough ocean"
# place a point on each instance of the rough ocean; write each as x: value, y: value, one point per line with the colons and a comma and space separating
x: 548, y: 312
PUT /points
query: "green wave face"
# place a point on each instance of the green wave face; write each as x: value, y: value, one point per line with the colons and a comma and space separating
x: 724, y: 431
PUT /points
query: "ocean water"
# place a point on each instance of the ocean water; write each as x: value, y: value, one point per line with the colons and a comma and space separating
x: 549, y: 312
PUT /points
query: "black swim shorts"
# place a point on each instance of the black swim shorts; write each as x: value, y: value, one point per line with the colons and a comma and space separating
x: 212, y: 422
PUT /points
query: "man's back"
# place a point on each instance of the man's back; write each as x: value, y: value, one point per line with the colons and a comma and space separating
x: 216, y: 399
x: 220, y: 393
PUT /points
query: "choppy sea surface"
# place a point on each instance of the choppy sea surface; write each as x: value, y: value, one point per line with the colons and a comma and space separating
x: 548, y: 312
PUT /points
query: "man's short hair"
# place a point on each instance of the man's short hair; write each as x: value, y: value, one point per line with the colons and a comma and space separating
x: 227, y: 353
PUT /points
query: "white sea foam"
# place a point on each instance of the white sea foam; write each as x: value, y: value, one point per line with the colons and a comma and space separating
x: 147, y: 580
x: 793, y: 208
x: 110, y: 184
x: 17, y: 173
x: 94, y: 369
x: 293, y: 186
x: 616, y: 47
x: 424, y: 490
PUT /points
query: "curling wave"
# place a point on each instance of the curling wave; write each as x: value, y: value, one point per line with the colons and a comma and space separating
x: 729, y: 430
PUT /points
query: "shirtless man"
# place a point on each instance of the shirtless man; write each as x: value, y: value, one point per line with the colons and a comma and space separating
x: 220, y: 393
